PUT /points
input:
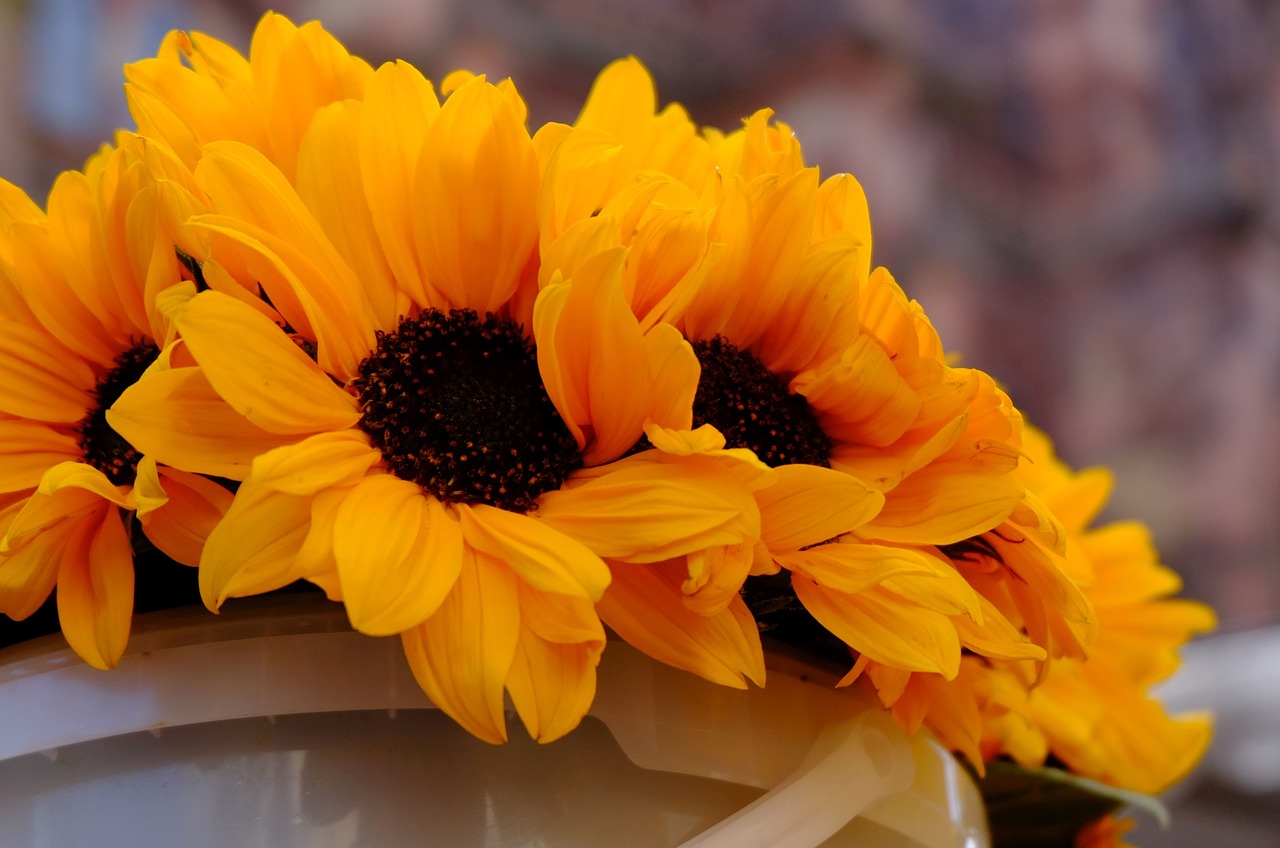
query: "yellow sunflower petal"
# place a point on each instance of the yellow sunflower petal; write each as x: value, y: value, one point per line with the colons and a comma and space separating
x: 81, y: 476
x: 330, y: 183
x: 842, y: 211
x: 399, y: 107
x: 884, y: 628
x: 27, y: 449
x: 673, y: 374
x: 314, y: 561
x: 477, y: 185
x: 177, y: 417
x: 195, y: 506
x: 578, y: 174
x: 996, y: 636
x: 54, y: 300
x: 944, y: 503
x: 622, y: 99
x: 462, y: 655
x: 861, y: 398
x: 259, y: 371
x: 43, y: 380
x: 260, y: 213
x: 774, y: 248
x: 716, y: 576
x: 646, y: 607
x: 851, y: 568
x: 588, y: 323
x: 649, y: 511
x: 315, y: 463
x: 809, y: 504
x: 299, y: 70
x: 544, y: 557
x: 45, y: 514
x: 95, y: 588
x: 553, y: 674
x: 28, y: 574
x: 809, y: 319
x: 398, y: 554
x: 252, y: 549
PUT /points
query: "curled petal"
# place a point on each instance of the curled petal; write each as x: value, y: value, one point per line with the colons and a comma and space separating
x: 252, y: 549
x: 194, y: 507
x: 646, y: 606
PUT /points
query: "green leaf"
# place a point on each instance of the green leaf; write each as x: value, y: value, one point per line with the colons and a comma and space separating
x: 1047, y: 807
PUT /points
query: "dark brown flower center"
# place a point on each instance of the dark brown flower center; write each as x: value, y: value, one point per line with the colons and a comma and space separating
x: 104, y: 448
x: 456, y: 404
x: 754, y: 408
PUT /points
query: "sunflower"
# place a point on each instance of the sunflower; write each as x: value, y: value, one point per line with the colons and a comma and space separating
x: 1092, y: 712
x: 814, y: 362
x: 80, y: 326
x: 198, y: 89
x: 453, y: 451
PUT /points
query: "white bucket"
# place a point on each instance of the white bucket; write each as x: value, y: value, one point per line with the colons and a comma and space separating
x: 275, y: 725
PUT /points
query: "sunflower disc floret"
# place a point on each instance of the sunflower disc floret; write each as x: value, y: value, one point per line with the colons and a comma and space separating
x: 455, y: 403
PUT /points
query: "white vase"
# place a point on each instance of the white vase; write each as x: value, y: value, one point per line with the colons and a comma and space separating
x: 275, y: 725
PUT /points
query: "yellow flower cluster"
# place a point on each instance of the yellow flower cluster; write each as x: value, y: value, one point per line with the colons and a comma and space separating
x: 495, y: 391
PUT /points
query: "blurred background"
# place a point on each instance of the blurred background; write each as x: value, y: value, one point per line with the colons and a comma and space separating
x: 1084, y: 194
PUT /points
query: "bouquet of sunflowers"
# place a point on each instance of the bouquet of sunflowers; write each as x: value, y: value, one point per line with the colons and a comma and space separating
x: 500, y: 393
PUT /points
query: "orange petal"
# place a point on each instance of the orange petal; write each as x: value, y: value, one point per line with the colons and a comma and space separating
x: 942, y: 504
x: 257, y: 369
x: 43, y: 380
x: 646, y: 607
x: 315, y: 463
x: 860, y: 398
x: 883, y: 627
x: 43, y: 514
x: 398, y: 554
x: 330, y: 184
x: 591, y: 327
x: 399, y: 107
x: 716, y: 576
x: 673, y: 377
x: 553, y: 675
x: 196, y: 504
x: 297, y: 70
x: 28, y: 574
x: 252, y: 549
x: 28, y: 449
x: 477, y: 186
x: 95, y: 587
x: 542, y: 556
x: 552, y: 684
x: 462, y: 655
x: 176, y: 417
x: 854, y: 567
x: 649, y: 511
x: 808, y: 505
